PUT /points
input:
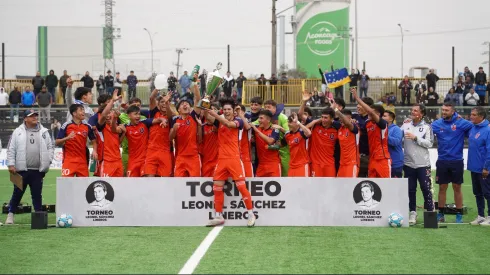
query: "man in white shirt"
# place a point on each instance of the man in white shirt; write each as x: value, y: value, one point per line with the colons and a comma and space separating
x: 4, y: 100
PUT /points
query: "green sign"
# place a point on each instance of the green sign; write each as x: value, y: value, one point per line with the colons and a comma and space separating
x: 323, y: 39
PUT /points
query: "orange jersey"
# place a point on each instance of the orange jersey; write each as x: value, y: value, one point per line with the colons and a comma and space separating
x: 74, y: 149
x: 229, y: 140
x: 263, y: 154
x: 349, y: 153
x: 110, y: 143
x: 159, y: 139
x: 93, y: 121
x: 297, y: 148
x: 378, y: 139
x: 245, y: 137
x: 186, y: 137
x: 137, y: 136
x: 209, y: 145
x: 323, y: 144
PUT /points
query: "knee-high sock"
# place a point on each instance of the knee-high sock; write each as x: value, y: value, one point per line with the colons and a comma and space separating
x: 247, y: 199
x: 219, y: 198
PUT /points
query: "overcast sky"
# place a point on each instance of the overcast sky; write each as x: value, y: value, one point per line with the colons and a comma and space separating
x: 206, y: 27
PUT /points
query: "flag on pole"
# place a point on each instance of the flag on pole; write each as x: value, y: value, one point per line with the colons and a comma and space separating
x: 337, y: 78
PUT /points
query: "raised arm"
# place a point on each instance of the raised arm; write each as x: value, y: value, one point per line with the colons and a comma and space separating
x: 268, y: 140
x: 347, y: 122
x: 108, y: 108
x: 222, y: 120
x: 241, y: 115
x: 153, y: 99
x: 366, y: 107
x: 306, y: 97
x: 306, y: 131
x: 197, y: 97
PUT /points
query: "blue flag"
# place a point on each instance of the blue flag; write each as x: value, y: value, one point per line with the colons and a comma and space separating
x: 337, y: 78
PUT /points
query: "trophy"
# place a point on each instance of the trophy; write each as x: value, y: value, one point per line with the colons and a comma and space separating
x: 213, y: 82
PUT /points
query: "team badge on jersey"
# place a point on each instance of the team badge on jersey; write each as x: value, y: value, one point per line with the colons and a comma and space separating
x: 142, y: 130
x: 477, y: 135
x: 453, y: 127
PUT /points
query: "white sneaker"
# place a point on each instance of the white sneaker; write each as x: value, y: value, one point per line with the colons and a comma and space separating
x: 486, y: 222
x: 251, y: 220
x: 412, y: 218
x: 218, y: 220
x: 478, y: 220
x: 10, y: 218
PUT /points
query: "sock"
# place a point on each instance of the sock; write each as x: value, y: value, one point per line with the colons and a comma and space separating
x: 459, y: 210
x: 250, y: 212
x: 442, y: 210
x: 247, y: 199
x: 219, y: 198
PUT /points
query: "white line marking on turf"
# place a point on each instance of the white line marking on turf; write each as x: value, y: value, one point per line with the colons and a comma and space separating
x: 194, y: 260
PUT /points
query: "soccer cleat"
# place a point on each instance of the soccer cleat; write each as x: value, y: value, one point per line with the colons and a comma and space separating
x: 478, y: 220
x: 251, y: 220
x: 441, y: 217
x: 459, y: 218
x: 486, y: 222
x: 219, y: 220
x: 10, y: 218
x: 412, y: 218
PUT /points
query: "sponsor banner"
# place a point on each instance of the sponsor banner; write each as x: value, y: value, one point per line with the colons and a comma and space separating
x: 189, y: 201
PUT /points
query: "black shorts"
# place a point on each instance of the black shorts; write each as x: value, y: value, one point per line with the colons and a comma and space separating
x: 449, y: 171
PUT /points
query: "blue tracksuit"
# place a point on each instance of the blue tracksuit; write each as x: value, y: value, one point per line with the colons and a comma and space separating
x: 450, y: 137
x: 395, y: 148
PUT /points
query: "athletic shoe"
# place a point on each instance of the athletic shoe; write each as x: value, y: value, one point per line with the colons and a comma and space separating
x: 412, y: 219
x: 251, y: 220
x: 478, y: 220
x: 459, y: 218
x: 486, y: 222
x: 10, y: 218
x: 216, y: 221
x: 441, y: 217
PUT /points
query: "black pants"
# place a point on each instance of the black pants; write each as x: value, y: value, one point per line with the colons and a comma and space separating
x: 131, y: 92
x: 423, y: 175
x: 63, y: 89
x: 339, y: 92
x: 406, y: 97
x: 37, y: 91
x: 227, y: 91
x: 34, y: 179
x: 363, y: 168
x: 481, y: 190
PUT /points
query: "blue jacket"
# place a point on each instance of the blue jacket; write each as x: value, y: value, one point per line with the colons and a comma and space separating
x: 479, y: 147
x: 395, y: 145
x: 450, y: 137
x: 28, y: 98
x: 184, y: 81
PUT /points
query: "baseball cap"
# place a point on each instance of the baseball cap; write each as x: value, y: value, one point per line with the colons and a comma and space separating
x: 29, y: 113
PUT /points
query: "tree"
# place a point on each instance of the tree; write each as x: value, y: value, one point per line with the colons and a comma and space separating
x: 293, y: 73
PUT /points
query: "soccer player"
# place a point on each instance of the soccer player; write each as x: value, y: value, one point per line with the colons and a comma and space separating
x: 450, y: 131
x: 377, y: 131
x: 361, y: 118
x: 73, y: 138
x: 280, y: 119
x: 479, y: 163
x: 111, y: 156
x: 83, y: 96
x: 252, y: 116
x: 209, y: 144
x: 348, y: 136
x: 245, y: 142
x: 395, y: 138
x: 299, y: 163
x: 102, y: 101
x: 185, y: 133
x: 304, y: 113
x: 324, y: 135
x: 159, y: 154
x: 229, y: 163
x: 418, y: 140
x: 137, y: 135
x: 269, y: 163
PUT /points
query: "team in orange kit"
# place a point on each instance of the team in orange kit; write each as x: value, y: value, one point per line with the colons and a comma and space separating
x: 229, y: 163
x: 209, y: 145
x: 245, y: 139
x: 349, y: 140
x: 73, y: 137
x: 296, y: 137
x: 266, y: 138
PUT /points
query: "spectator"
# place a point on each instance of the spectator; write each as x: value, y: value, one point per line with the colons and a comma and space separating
x: 273, y: 80
x: 228, y: 84
x: 172, y: 86
x: 63, y: 84
x: 432, y: 79
x: 52, y: 83
x: 460, y: 91
x: 472, y: 98
x: 339, y: 91
x: 29, y: 159
x: 261, y: 81
x: 239, y: 86
x: 185, y: 83
x: 468, y: 73
x: 421, y: 85
x: 88, y: 81
x: 322, y: 74
x: 100, y: 85
x: 364, y: 85
x: 418, y: 94
x: 203, y: 78
x: 452, y: 98
x: 406, y: 90
x: 480, y: 77
x: 391, y: 100
x: 118, y: 83
x: 431, y: 99
x: 152, y: 82
x: 44, y: 100
x: 328, y: 95
x: 4, y: 100
x: 15, y: 99
x: 131, y: 80
x: 55, y: 128
x: 354, y: 78
x: 37, y: 83
x: 284, y: 90
x: 468, y: 85
x: 28, y: 97
x: 109, y: 83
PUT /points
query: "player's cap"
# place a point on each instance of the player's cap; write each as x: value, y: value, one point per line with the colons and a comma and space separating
x: 29, y: 113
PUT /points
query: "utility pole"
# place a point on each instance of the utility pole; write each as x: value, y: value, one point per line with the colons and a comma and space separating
x: 274, y: 38
x: 487, y: 43
x: 229, y: 58
x: 179, y: 52
x: 401, y: 31
x: 356, y: 37
x: 3, y: 64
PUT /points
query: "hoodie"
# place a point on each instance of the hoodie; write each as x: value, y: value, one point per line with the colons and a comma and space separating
x: 395, y: 138
x: 479, y: 147
x: 450, y: 136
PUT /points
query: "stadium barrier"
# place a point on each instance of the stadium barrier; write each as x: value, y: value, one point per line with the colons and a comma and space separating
x: 188, y: 201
